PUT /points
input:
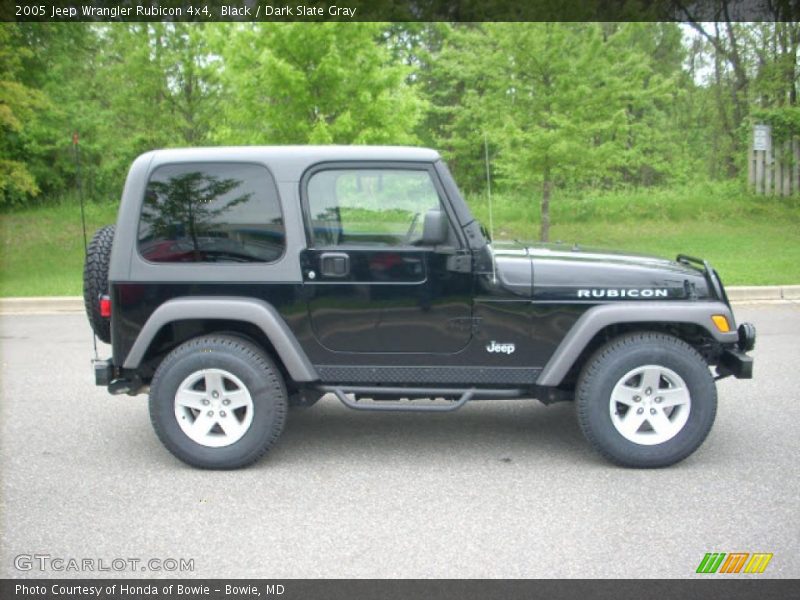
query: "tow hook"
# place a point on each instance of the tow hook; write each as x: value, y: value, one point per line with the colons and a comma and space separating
x: 125, y: 386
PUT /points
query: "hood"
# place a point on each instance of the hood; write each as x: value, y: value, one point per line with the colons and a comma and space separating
x: 562, y: 273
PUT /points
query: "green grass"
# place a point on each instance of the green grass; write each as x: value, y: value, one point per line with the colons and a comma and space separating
x: 751, y: 240
x: 723, y: 201
x: 42, y: 248
x: 760, y: 253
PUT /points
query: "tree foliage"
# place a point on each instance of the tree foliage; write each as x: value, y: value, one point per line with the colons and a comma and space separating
x: 18, y: 106
x: 300, y: 83
x: 560, y: 105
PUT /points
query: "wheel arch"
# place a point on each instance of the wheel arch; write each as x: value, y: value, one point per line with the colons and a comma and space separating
x: 254, y: 319
x: 684, y: 320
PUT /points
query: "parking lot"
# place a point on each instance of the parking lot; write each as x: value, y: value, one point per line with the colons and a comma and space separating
x: 497, y: 489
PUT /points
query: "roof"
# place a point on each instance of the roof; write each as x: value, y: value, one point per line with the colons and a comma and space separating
x: 287, y: 163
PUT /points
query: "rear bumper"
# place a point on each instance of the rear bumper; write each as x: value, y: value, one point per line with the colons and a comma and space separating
x: 117, y: 381
x: 103, y: 372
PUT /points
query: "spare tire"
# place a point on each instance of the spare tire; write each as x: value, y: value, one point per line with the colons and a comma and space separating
x: 95, y: 280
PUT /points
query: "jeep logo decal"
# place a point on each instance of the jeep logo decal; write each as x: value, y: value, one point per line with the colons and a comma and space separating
x: 623, y: 293
x: 504, y: 348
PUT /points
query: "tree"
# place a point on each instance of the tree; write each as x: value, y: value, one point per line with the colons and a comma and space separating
x: 18, y: 104
x: 644, y: 60
x: 295, y: 83
x: 452, y: 77
x: 158, y: 90
x: 561, y: 103
x: 61, y: 64
x: 565, y: 106
x: 556, y: 112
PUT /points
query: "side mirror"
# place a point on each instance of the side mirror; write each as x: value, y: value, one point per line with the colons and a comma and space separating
x: 434, y: 230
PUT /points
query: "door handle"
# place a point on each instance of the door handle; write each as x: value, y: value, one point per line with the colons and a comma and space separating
x: 334, y: 264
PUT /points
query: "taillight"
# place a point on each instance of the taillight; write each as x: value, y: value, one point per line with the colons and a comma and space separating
x: 105, y: 307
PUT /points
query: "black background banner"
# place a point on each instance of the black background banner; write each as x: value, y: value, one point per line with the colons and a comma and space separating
x: 400, y: 10
x: 711, y: 588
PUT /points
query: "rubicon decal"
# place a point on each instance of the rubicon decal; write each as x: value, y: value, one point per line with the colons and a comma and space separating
x: 734, y: 562
x: 623, y: 293
x: 504, y: 348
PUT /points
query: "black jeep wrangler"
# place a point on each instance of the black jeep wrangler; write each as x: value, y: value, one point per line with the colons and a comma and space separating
x: 239, y: 282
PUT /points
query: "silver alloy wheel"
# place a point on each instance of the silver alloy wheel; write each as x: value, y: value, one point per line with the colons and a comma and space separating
x: 650, y: 405
x: 213, y: 408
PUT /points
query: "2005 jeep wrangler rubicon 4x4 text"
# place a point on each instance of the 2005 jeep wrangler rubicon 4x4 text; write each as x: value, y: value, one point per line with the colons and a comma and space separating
x: 241, y: 281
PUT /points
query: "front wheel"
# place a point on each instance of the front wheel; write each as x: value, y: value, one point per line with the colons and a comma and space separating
x: 646, y: 400
x: 218, y: 402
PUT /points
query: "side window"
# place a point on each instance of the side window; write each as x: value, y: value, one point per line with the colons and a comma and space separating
x: 373, y: 207
x: 211, y: 213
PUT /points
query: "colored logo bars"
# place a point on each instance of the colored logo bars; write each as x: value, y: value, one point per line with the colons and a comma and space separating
x: 736, y: 562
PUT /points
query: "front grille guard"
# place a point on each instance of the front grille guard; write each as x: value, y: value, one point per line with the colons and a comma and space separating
x: 711, y: 275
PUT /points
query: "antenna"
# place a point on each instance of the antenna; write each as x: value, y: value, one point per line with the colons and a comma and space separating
x: 488, y: 184
x: 489, y: 198
x: 77, y: 152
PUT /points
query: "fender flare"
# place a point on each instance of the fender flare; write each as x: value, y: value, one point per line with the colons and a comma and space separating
x: 230, y: 308
x: 599, y: 317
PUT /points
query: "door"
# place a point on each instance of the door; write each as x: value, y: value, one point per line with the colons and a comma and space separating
x: 373, y: 281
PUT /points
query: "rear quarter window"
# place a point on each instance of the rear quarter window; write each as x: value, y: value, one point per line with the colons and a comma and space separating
x: 211, y: 213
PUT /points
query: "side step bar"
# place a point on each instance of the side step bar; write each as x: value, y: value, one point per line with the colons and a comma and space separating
x: 464, y: 396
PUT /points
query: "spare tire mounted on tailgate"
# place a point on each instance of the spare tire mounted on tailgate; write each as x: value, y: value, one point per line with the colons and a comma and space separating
x: 95, y: 280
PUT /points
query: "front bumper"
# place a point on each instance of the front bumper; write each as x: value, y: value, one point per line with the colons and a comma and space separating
x: 734, y: 361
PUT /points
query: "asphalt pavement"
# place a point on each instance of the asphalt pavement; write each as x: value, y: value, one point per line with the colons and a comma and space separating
x: 497, y: 489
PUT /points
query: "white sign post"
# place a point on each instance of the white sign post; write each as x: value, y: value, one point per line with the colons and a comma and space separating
x: 761, y: 135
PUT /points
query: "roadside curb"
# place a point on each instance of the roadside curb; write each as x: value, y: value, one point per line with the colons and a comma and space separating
x: 49, y: 305
x: 43, y: 305
x: 743, y: 294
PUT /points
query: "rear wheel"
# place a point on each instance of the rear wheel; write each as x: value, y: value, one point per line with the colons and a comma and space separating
x: 95, y: 280
x: 646, y: 400
x: 218, y: 402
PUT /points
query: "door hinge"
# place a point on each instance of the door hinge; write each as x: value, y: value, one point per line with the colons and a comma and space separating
x: 460, y: 263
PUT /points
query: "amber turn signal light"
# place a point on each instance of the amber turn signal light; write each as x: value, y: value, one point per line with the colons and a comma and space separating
x: 721, y: 321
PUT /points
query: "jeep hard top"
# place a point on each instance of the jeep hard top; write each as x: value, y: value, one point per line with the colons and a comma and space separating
x: 239, y: 282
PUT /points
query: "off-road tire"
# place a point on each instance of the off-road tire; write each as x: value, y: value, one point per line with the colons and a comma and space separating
x: 613, y: 361
x: 251, y: 365
x: 95, y: 280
